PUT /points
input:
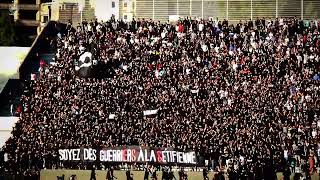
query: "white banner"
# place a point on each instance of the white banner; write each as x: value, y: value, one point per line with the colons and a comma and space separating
x: 150, y: 112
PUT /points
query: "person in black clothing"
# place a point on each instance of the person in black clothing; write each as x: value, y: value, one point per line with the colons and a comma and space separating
x: 93, y: 174
x: 165, y: 173
x: 146, y: 173
x: 258, y: 172
x: 110, y: 175
x: 171, y: 175
x: 205, y: 174
x: 182, y: 175
x: 129, y: 175
x: 73, y: 177
x: 251, y: 175
x: 133, y: 25
x: 154, y: 173
x: 233, y: 175
x: 1, y: 160
x: 243, y: 173
x: 60, y: 177
x: 297, y: 176
x: 286, y: 173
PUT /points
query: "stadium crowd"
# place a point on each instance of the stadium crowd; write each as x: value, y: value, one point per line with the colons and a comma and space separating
x: 244, y: 96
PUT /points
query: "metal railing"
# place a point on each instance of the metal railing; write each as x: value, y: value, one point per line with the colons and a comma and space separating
x: 227, y: 9
x: 4, y: 6
x: 29, y: 6
x: 20, y: 6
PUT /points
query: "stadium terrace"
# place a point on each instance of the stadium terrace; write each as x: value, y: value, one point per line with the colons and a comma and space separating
x: 240, y: 99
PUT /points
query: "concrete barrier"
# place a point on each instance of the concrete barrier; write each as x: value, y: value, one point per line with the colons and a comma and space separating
x: 121, y: 175
x: 101, y: 175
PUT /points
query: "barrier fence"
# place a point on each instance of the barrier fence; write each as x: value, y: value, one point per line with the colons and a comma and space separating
x: 226, y: 9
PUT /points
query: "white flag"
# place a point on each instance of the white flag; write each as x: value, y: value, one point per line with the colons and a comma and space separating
x: 194, y: 91
x: 112, y: 116
x: 150, y: 112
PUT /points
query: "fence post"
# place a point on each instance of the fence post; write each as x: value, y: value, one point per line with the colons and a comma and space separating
x: 301, y: 9
x: 251, y: 11
x: 227, y: 9
x: 276, y: 8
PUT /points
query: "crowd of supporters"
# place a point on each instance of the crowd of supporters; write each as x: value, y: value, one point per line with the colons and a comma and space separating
x: 244, y: 96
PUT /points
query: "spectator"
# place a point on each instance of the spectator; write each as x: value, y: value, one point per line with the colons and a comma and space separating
x: 110, y: 175
x: 129, y: 175
x: 146, y: 173
x: 205, y: 174
x: 93, y: 174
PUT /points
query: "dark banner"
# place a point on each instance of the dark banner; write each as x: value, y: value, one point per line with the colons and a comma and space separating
x: 130, y: 154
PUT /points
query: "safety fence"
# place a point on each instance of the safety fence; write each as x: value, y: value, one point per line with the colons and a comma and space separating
x: 226, y: 9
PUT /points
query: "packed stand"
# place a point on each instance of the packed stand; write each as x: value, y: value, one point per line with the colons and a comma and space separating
x: 244, y: 96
